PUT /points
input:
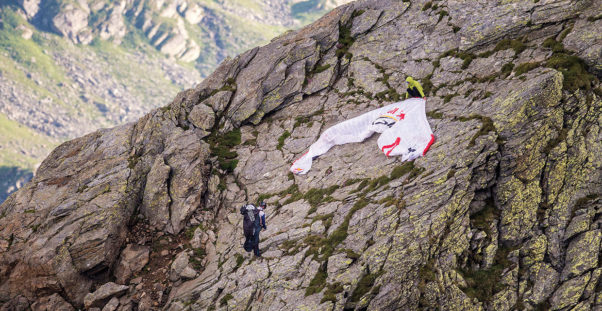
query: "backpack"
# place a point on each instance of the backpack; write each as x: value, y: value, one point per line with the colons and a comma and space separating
x: 250, y: 217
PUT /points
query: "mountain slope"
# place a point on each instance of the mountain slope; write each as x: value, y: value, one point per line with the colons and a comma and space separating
x: 68, y: 68
x: 502, y: 213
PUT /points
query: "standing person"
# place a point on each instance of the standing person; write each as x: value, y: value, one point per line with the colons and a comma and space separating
x: 250, y: 217
x: 259, y: 223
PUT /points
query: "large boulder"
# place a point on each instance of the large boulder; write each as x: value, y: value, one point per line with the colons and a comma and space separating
x: 132, y: 259
x: 31, y: 7
x: 103, y: 294
x: 70, y: 22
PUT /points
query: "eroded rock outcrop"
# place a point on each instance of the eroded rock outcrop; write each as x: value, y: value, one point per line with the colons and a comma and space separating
x: 503, y: 213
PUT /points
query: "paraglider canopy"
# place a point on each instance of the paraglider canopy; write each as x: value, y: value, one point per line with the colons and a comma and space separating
x: 404, y: 127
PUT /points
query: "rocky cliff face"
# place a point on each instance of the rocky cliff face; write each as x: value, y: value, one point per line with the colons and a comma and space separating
x: 503, y: 213
x: 68, y: 67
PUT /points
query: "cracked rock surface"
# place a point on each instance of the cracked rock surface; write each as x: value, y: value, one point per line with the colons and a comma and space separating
x: 504, y: 212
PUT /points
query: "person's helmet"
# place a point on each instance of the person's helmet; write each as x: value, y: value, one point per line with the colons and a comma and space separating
x: 409, y: 79
x: 262, y: 204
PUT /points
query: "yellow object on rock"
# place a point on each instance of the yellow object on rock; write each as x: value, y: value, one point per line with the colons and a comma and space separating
x: 414, y: 84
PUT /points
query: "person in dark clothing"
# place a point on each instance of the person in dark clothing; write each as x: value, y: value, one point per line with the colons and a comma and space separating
x: 259, y: 224
x: 250, y: 214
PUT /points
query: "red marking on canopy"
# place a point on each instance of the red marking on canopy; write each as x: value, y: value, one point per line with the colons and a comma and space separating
x: 392, y: 146
x: 429, y: 144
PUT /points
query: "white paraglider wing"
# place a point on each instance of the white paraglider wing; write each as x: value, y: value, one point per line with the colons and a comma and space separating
x: 404, y: 127
x: 411, y: 136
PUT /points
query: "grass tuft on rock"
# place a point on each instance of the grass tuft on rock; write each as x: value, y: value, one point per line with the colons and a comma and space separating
x: 331, y: 291
x: 401, y: 170
x: 316, y: 196
x: 483, y: 284
x: 225, y: 299
x: 486, y: 127
x: 318, y: 283
x: 483, y: 219
x: 307, y: 119
x: 525, y: 67
x: 573, y: 69
x: 365, y: 285
x: 282, y: 138
x: 239, y: 260
x: 345, y: 41
x: 517, y: 45
x: 221, y: 145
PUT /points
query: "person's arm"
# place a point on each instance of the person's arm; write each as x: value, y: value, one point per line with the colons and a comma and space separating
x: 263, y: 221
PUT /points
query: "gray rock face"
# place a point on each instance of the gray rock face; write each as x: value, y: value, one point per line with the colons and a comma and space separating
x: 490, y: 218
x: 156, y: 200
x: 70, y: 21
x: 111, y: 305
x: 132, y: 259
x: 103, y: 294
x: 31, y: 7
x: 180, y: 268
x: 202, y: 117
x: 52, y: 302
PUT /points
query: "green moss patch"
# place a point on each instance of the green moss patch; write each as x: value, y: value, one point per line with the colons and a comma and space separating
x: 435, y: 114
x: 517, y: 45
x: 239, y: 260
x: 318, y: 283
x: 221, y: 145
x: 365, y: 285
x: 317, y: 196
x: 507, y: 68
x: 526, y: 67
x: 486, y: 127
x: 377, y: 183
x: 307, y: 119
x: 326, y: 220
x: 294, y: 193
x: 225, y: 299
x: 442, y: 14
x: 592, y: 19
x: 345, y: 41
x: 282, y: 138
x: 331, y: 291
x: 402, y: 170
x: 483, y: 219
x: 197, y: 258
x: 556, y: 141
x: 407, y: 168
x: 323, y: 247
x: 574, y: 69
x: 483, y: 284
x: 351, y: 254
x: 340, y: 234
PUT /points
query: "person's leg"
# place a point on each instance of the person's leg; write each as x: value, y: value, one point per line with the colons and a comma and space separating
x: 256, y: 242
